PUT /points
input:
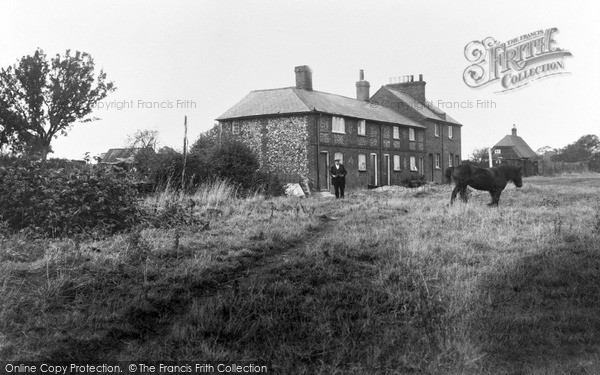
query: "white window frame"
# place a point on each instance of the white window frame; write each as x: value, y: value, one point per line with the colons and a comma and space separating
x: 411, y: 134
x: 450, y: 132
x: 338, y: 125
x: 413, y: 163
x: 396, y: 132
x: 437, y: 161
x: 362, y: 162
x: 235, y: 128
x: 497, y: 151
x: 437, y: 130
x: 450, y: 160
x: 362, y: 127
x: 397, y: 163
x: 338, y: 156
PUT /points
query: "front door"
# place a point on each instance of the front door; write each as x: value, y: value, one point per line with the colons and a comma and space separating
x: 324, y: 171
x: 373, y: 170
x: 432, y: 167
x: 385, y: 174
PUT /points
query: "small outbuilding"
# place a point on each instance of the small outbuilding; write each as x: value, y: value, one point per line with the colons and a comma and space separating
x: 513, y: 150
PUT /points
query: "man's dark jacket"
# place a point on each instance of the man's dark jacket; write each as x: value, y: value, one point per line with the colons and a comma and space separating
x: 338, y: 176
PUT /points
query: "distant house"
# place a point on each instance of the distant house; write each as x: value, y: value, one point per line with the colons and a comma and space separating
x: 124, y: 157
x: 513, y: 150
x: 382, y: 140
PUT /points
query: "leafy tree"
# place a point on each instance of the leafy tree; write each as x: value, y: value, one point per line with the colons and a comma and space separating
x: 480, y: 156
x: 42, y: 98
x: 207, y: 142
x: 544, y: 150
x: 581, y: 150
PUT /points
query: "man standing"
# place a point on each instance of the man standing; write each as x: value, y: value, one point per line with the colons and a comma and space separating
x: 338, y: 179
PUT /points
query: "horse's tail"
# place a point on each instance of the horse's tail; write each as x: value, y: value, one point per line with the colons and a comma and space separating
x: 448, y: 174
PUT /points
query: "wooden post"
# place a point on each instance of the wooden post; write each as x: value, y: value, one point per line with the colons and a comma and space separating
x: 184, y: 153
x: 490, y: 156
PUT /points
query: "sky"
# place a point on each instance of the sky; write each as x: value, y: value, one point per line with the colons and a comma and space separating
x: 170, y: 59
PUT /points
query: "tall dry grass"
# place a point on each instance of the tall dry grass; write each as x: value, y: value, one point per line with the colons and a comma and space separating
x: 392, y: 282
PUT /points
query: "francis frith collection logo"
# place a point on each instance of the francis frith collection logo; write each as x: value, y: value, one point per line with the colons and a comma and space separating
x: 515, y: 63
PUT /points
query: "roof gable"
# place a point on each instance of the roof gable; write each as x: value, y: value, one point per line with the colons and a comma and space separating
x: 426, y: 109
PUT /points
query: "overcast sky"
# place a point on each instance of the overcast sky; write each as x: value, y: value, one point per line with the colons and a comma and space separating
x: 210, y: 54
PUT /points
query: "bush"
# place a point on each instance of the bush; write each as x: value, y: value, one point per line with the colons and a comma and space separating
x: 268, y: 184
x: 233, y: 161
x: 236, y: 163
x: 414, y: 181
x: 66, y: 201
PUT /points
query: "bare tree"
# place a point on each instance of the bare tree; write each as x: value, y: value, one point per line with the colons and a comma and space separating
x: 143, y: 139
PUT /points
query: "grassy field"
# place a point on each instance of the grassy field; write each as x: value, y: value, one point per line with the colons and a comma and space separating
x: 379, y: 283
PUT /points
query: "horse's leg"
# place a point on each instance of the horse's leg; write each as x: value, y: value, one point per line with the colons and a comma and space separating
x: 454, y: 191
x: 495, y: 193
x: 463, y: 193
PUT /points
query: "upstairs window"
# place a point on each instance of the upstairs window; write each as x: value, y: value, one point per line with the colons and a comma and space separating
x: 338, y: 125
x: 396, y: 132
x: 411, y: 134
x: 362, y: 127
x: 450, y: 131
x: 497, y: 151
x: 437, y: 130
x: 235, y: 128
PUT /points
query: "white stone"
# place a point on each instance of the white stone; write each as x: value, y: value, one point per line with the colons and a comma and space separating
x: 293, y: 190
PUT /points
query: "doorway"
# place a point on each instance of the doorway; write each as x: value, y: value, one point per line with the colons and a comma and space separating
x: 385, y: 174
x: 373, y: 175
x: 324, y: 171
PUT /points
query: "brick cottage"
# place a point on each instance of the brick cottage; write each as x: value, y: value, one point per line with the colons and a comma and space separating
x: 382, y: 140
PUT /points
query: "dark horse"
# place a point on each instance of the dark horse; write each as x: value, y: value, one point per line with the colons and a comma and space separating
x: 493, y: 180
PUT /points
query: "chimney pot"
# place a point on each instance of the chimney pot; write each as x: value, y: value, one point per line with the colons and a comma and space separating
x: 361, y: 75
x: 412, y: 78
x: 420, y: 77
x: 303, y: 77
x: 514, y: 130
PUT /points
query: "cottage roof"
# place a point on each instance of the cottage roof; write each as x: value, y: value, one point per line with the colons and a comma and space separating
x: 425, y: 109
x: 293, y: 100
x: 520, y: 147
x: 119, y: 155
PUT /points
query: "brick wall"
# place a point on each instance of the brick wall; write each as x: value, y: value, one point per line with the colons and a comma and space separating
x: 378, y: 139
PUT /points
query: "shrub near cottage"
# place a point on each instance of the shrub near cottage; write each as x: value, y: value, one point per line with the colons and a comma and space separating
x: 65, y: 201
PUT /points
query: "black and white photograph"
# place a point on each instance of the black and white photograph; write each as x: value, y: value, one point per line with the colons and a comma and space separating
x: 299, y: 187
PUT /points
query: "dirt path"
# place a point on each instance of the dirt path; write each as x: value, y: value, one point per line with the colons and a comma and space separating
x: 168, y: 302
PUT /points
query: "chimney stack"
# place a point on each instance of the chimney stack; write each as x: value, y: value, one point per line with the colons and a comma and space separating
x: 362, y: 87
x: 303, y: 77
x: 408, y: 85
x: 514, y: 130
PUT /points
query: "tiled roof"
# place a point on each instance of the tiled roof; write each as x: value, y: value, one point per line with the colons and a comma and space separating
x: 119, y: 155
x: 293, y: 100
x: 427, y: 110
x: 520, y: 147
